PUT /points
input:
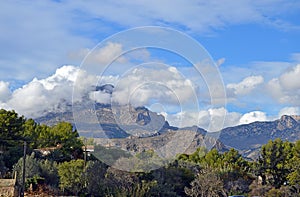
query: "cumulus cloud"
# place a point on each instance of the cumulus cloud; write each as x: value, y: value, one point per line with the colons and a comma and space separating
x: 41, y: 96
x: 53, y: 93
x: 286, y: 88
x: 290, y: 80
x: 140, y: 87
x: 289, y: 111
x: 163, y: 84
x: 101, y: 56
x: 253, y: 117
x: 213, y: 119
x: 5, y: 92
x: 246, y: 86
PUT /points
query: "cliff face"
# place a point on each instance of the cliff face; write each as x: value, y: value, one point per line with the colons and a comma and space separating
x: 135, y: 130
x: 249, y: 138
x: 139, y: 129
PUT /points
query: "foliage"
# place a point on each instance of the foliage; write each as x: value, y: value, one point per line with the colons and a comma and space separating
x: 202, y: 173
x: 15, y: 129
x: 274, y: 162
x: 71, y: 176
x: 11, y: 126
x: 37, y: 170
x: 294, y: 176
x: 173, y: 178
x: 206, y: 184
x: 96, y: 178
x: 31, y: 168
x: 48, y: 170
x: 109, y: 155
x: 3, y: 168
x: 11, y: 133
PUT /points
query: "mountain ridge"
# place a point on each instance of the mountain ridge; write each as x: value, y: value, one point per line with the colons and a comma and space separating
x: 139, y: 128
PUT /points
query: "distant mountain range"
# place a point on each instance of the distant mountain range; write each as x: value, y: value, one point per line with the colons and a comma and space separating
x: 248, y: 138
x: 137, y: 129
x: 145, y: 130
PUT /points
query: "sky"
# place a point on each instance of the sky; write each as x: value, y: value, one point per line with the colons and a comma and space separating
x: 48, y: 47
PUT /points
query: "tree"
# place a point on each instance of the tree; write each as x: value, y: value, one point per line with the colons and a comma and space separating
x: 32, y: 168
x: 31, y: 133
x: 48, y: 170
x: 294, y: 176
x: 11, y: 125
x: 3, y: 169
x: 206, y: 184
x: 274, y: 162
x: 61, y: 135
x: 71, y: 145
x: 96, y: 181
x: 173, y: 178
x: 212, y: 159
x: 11, y: 133
x: 71, y: 176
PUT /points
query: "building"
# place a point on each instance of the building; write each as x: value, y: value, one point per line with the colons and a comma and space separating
x: 88, y: 148
x: 8, y: 188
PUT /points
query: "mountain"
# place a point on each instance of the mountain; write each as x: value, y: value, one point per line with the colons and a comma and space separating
x: 138, y: 129
x: 248, y: 138
x: 144, y: 129
x: 134, y: 129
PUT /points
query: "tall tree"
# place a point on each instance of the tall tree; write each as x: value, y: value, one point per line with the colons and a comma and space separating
x: 294, y: 176
x: 71, y: 176
x: 274, y: 162
x: 11, y: 135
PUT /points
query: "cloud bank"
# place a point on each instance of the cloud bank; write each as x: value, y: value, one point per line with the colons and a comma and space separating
x: 140, y: 86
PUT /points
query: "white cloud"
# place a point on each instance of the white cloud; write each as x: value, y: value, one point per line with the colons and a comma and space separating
x: 246, y: 86
x: 289, y: 111
x: 143, y: 85
x: 5, y: 92
x: 53, y: 93
x: 253, y: 117
x: 164, y: 84
x: 210, y: 119
x: 286, y: 88
x: 290, y: 80
x: 100, y: 56
x: 41, y: 96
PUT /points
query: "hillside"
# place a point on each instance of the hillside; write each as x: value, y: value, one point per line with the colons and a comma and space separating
x: 143, y: 129
x: 248, y: 138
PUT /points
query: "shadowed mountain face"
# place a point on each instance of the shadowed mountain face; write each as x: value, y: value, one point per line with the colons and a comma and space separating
x: 134, y: 129
x: 139, y: 129
x: 143, y: 129
x: 249, y: 138
x: 113, y: 122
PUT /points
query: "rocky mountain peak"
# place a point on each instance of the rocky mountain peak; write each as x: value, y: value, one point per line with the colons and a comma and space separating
x: 286, y: 122
x: 296, y: 117
x: 107, y: 88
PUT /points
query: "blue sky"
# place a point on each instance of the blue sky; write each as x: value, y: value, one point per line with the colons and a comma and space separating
x: 255, y: 43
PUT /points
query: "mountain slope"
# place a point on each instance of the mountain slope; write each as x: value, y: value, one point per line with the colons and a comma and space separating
x: 248, y: 138
x: 138, y: 129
